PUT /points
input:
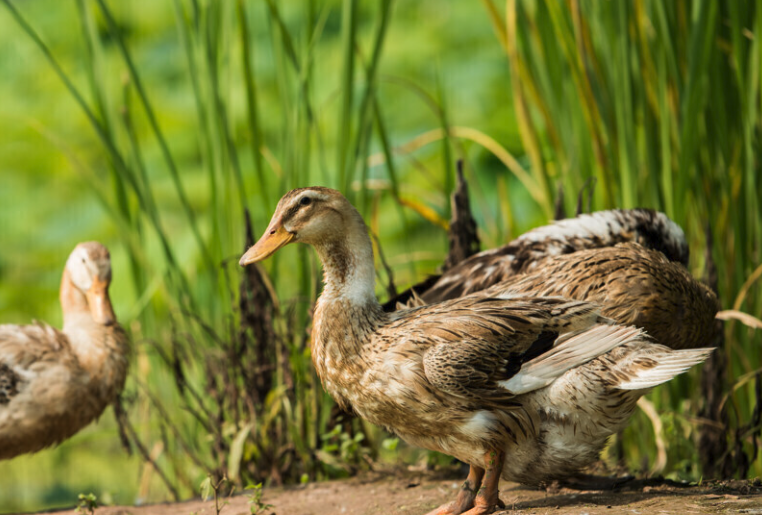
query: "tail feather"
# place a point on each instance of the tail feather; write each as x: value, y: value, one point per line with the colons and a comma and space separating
x: 672, y: 364
x: 571, y: 350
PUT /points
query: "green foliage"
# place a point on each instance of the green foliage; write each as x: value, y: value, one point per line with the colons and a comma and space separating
x: 659, y: 102
x: 212, y: 489
x: 172, y: 118
x: 390, y: 444
x: 256, y: 506
x: 87, y: 504
x: 343, y: 450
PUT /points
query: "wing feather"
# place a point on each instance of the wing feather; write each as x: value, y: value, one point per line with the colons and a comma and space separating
x: 473, y: 343
x: 571, y: 350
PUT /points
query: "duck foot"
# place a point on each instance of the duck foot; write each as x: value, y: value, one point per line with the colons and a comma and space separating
x: 466, y: 495
x: 456, y: 508
x: 589, y: 482
x: 451, y: 508
x: 479, y: 494
x: 487, y: 499
x: 481, y: 507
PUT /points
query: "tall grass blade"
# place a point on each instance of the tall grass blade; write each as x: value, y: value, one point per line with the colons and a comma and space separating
x: 150, y: 113
x: 344, y: 136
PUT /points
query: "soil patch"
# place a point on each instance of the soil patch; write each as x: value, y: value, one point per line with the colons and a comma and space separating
x: 386, y: 495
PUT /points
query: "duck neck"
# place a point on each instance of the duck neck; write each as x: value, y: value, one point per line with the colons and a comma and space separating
x: 347, y: 277
x: 348, y: 269
x: 347, y: 309
x: 94, y: 344
x: 73, y: 303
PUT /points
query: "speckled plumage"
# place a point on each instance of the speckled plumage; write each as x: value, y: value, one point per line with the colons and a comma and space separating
x: 477, y: 377
x: 601, y: 229
x: 581, y: 409
x: 52, y: 382
x: 417, y: 369
x: 634, y: 286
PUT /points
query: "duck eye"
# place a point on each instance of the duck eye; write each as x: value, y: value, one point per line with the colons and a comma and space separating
x: 305, y: 201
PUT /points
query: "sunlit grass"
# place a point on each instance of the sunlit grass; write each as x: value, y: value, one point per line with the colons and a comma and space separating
x: 660, y: 102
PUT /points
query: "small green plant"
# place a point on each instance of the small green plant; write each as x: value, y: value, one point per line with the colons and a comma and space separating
x: 211, y: 489
x: 346, y: 447
x: 256, y: 506
x: 87, y: 503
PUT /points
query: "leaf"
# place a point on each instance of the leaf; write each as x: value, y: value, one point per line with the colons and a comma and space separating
x: 390, y: 444
x: 206, y: 488
x: 425, y: 211
x: 236, y: 451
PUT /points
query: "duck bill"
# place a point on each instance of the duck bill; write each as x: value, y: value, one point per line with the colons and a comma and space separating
x: 273, y: 239
x: 99, y: 302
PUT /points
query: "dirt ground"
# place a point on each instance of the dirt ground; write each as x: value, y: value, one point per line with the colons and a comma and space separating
x: 386, y: 495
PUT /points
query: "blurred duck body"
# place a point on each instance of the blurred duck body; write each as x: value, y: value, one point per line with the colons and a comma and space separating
x: 55, y: 382
x: 601, y: 229
x: 542, y: 380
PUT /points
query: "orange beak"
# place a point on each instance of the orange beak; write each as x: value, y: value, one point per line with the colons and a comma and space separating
x: 99, y: 302
x: 274, y: 238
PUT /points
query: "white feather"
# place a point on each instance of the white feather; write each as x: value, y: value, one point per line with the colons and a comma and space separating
x: 478, y: 425
x: 603, y: 224
x: 583, y: 226
x: 570, y: 351
x: 669, y: 366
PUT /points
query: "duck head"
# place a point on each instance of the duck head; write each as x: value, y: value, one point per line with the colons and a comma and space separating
x: 89, y: 269
x: 316, y: 216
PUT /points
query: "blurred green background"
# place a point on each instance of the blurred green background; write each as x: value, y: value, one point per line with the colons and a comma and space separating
x: 180, y: 113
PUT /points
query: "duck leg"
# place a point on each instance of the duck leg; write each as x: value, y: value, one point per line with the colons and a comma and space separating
x: 487, y: 498
x: 466, y: 495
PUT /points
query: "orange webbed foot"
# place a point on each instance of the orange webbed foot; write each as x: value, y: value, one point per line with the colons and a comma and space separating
x: 466, y: 496
x: 487, y: 498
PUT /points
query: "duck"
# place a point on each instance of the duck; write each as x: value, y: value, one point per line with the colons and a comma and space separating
x: 55, y: 382
x: 480, y: 378
x: 647, y: 227
x: 633, y: 285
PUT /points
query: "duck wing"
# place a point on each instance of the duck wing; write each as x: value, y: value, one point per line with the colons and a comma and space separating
x: 473, y: 346
x: 28, y: 353
x: 633, y: 285
x: 601, y: 229
x: 43, y: 389
x: 28, y: 347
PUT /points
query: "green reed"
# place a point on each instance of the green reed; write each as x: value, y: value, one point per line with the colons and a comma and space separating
x: 659, y: 102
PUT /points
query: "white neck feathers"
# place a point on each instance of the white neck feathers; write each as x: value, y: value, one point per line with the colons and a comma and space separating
x: 348, y: 266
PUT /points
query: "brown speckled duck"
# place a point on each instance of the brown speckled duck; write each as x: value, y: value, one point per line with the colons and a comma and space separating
x: 53, y: 383
x: 633, y: 286
x: 652, y: 229
x: 478, y: 377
